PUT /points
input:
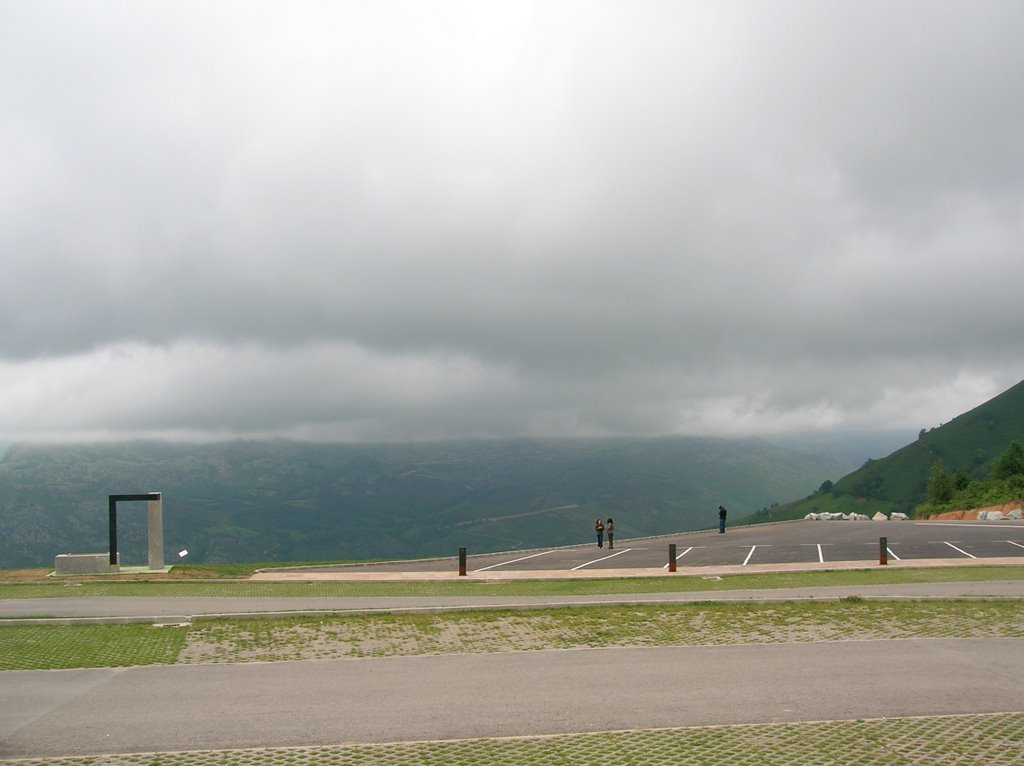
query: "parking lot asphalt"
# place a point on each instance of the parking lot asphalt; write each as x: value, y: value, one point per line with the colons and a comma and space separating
x: 790, y: 546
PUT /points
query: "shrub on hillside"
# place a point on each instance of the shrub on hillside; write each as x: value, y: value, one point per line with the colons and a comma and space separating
x: 977, y: 494
x: 956, y: 492
x: 1010, y: 464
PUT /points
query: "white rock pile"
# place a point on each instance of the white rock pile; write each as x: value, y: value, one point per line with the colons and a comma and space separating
x: 837, y: 517
x: 1014, y: 515
x: 854, y: 517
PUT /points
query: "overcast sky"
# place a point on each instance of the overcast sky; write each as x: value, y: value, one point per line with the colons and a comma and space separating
x: 389, y: 220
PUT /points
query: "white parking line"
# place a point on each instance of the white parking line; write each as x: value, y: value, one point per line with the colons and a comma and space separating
x: 821, y: 555
x: 888, y: 551
x: 1011, y: 542
x: 959, y: 549
x: 605, y: 558
x: 680, y: 556
x: 747, y: 559
x: 513, y: 561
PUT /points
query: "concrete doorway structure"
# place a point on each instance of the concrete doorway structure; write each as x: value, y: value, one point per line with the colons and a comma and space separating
x: 155, y: 527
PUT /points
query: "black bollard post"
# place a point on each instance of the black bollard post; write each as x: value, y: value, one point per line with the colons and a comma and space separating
x: 671, y: 557
x: 462, y: 562
x: 883, y: 550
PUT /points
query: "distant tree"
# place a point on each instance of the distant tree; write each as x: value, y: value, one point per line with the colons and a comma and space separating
x: 940, y: 484
x: 826, y: 486
x: 1010, y: 463
x: 961, y: 480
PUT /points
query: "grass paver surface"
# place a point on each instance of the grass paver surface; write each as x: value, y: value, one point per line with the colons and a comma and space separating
x: 967, y: 740
x: 389, y: 635
x: 596, y: 627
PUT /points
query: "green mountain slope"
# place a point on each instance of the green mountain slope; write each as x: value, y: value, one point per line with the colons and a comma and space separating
x: 285, y: 501
x: 970, y: 442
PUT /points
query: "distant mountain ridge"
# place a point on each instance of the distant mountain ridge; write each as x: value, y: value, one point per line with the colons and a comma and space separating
x: 287, y: 501
x: 970, y: 442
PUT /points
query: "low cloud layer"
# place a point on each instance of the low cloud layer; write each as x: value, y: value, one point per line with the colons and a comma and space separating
x: 420, y: 220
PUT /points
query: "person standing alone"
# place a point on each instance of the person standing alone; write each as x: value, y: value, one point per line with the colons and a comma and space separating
x: 599, y: 529
x: 721, y: 519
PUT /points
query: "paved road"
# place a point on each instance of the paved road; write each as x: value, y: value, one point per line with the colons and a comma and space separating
x: 800, y: 542
x: 122, y: 609
x: 82, y: 712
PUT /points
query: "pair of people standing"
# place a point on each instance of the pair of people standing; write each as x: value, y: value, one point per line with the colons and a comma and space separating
x: 602, y: 528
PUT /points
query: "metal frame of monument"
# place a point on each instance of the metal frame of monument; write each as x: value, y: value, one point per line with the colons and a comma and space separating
x: 155, y: 526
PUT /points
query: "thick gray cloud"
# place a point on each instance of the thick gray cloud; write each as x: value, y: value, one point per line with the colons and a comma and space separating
x: 409, y: 219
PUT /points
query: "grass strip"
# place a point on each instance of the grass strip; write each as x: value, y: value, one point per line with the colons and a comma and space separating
x: 85, y: 587
x: 959, y: 740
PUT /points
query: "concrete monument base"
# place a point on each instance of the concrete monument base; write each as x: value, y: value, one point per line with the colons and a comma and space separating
x: 85, y: 563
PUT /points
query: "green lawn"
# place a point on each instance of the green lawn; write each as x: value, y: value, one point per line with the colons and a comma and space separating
x: 52, y: 647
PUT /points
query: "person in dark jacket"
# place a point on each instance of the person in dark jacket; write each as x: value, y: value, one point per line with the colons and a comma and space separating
x: 721, y: 519
x: 599, y: 529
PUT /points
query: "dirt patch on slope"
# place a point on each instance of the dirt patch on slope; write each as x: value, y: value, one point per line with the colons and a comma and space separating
x: 973, y: 514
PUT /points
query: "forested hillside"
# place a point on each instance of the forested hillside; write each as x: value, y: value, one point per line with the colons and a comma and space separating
x: 285, y: 501
x: 969, y: 444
